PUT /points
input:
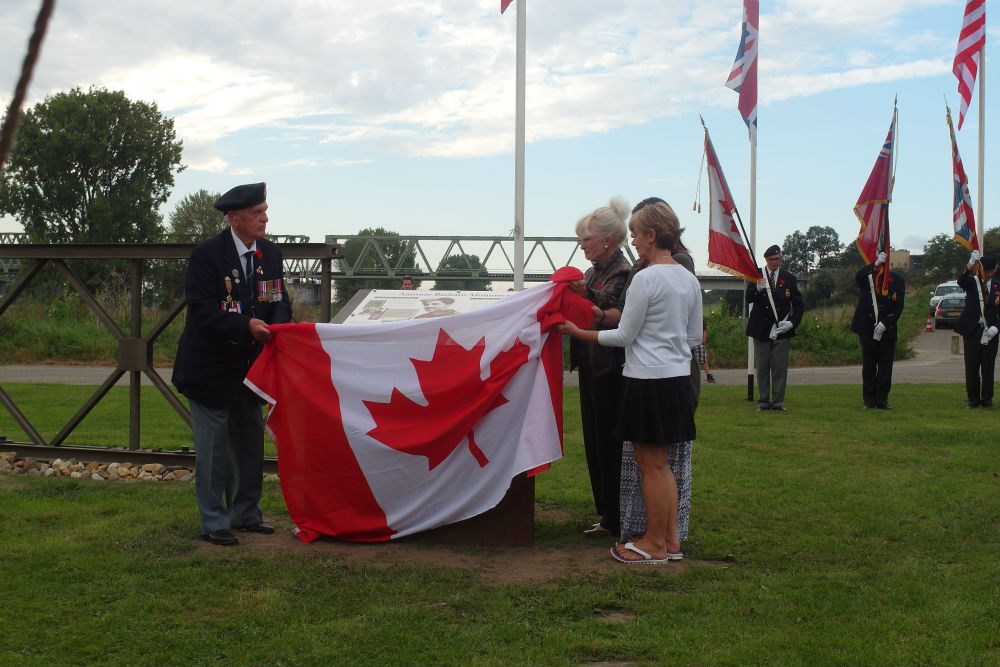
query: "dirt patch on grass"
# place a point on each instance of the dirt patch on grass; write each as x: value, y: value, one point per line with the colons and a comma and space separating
x: 502, y: 565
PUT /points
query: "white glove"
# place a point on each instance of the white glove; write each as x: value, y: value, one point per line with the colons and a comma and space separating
x: 881, y: 259
x: 973, y: 258
x: 988, y: 336
x: 784, y: 326
x: 761, y: 284
x: 879, y: 330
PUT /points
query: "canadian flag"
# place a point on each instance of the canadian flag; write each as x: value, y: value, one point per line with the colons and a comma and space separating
x: 390, y: 429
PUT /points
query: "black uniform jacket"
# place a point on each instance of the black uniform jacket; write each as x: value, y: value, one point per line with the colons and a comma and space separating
x: 216, y: 348
x: 968, y: 321
x: 787, y: 299
x: 890, y: 306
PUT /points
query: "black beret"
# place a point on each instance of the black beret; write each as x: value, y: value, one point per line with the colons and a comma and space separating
x: 988, y: 263
x: 772, y: 251
x: 241, y: 197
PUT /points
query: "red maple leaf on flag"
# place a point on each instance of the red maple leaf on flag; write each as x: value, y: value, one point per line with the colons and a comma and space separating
x: 456, y: 399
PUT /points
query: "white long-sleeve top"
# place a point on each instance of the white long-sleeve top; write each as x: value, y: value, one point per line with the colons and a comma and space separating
x: 660, y: 323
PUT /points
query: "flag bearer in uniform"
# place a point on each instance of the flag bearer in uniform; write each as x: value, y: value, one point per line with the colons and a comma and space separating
x: 978, y: 327
x: 877, y: 332
x: 777, y: 290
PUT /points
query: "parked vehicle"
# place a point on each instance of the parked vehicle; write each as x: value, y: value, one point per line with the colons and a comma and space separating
x: 942, y: 290
x: 948, y: 309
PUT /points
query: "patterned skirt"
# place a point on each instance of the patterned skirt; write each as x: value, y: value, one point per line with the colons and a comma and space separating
x: 633, y: 509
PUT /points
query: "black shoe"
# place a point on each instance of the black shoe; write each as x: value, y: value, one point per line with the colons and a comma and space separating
x: 710, y: 379
x: 869, y: 406
x: 224, y: 537
x: 971, y: 405
x: 884, y: 406
x: 763, y: 406
x: 263, y: 528
x: 986, y: 404
x: 779, y: 407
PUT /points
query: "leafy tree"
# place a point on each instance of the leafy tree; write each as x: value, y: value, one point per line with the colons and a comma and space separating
x: 824, y: 246
x: 368, y: 253
x: 461, y: 265
x: 194, y: 219
x: 818, y: 248
x: 991, y: 242
x: 91, y: 167
x: 821, y: 289
x: 796, y: 253
x: 944, y: 257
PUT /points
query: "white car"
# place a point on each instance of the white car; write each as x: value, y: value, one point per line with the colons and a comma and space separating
x: 943, y: 290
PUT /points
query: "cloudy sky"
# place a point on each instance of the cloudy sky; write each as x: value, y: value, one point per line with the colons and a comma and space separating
x: 400, y: 113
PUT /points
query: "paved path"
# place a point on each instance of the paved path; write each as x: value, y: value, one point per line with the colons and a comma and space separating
x: 934, y: 362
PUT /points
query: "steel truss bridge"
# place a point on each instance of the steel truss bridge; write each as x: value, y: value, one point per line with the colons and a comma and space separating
x: 488, y: 258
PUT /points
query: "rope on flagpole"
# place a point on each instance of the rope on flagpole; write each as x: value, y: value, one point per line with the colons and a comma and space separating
x: 21, y: 89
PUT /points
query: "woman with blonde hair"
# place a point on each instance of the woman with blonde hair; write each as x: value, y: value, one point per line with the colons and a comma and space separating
x: 661, y: 322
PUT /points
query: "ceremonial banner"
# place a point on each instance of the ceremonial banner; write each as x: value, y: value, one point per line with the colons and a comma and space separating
x: 389, y: 429
x: 970, y: 42
x: 872, y: 209
x: 743, y: 77
x: 726, y: 250
x: 962, y: 215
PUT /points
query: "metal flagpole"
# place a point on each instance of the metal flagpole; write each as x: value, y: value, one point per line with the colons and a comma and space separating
x: 519, y: 153
x: 980, y: 223
x: 753, y: 244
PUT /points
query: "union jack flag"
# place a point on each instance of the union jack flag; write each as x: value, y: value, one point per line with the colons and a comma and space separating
x: 965, y: 221
x: 872, y: 209
x: 970, y: 42
x: 743, y: 78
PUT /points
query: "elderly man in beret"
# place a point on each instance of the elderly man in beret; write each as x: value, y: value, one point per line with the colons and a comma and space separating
x: 776, y: 309
x: 234, y: 289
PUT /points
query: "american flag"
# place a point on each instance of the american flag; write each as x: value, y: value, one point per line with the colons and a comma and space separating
x: 965, y: 222
x: 743, y: 78
x: 970, y: 41
x: 872, y: 208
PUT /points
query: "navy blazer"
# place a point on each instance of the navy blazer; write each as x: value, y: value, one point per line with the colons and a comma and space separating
x: 890, y: 306
x: 787, y: 300
x: 216, y: 348
x: 968, y: 321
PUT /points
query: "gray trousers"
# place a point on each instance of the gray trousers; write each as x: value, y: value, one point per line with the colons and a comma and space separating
x: 229, y: 462
x: 771, y: 362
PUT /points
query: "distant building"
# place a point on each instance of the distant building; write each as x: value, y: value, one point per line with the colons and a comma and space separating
x: 899, y: 260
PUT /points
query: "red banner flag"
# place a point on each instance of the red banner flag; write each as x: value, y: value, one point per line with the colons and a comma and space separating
x: 872, y: 209
x: 962, y: 215
x: 726, y: 250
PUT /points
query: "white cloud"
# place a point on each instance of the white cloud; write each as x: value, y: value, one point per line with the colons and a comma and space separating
x: 437, y: 78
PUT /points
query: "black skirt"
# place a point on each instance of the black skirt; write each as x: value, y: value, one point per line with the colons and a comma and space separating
x: 658, y: 411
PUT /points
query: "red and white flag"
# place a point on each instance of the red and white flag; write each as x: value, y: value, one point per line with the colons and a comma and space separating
x: 726, y: 250
x: 503, y: 5
x: 743, y: 77
x: 872, y: 208
x: 389, y: 429
x: 962, y: 216
x: 970, y: 41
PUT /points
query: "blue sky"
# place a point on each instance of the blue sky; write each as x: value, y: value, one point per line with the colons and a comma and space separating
x: 400, y: 113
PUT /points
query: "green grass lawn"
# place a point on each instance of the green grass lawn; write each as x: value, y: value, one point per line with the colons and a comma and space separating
x: 826, y: 535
